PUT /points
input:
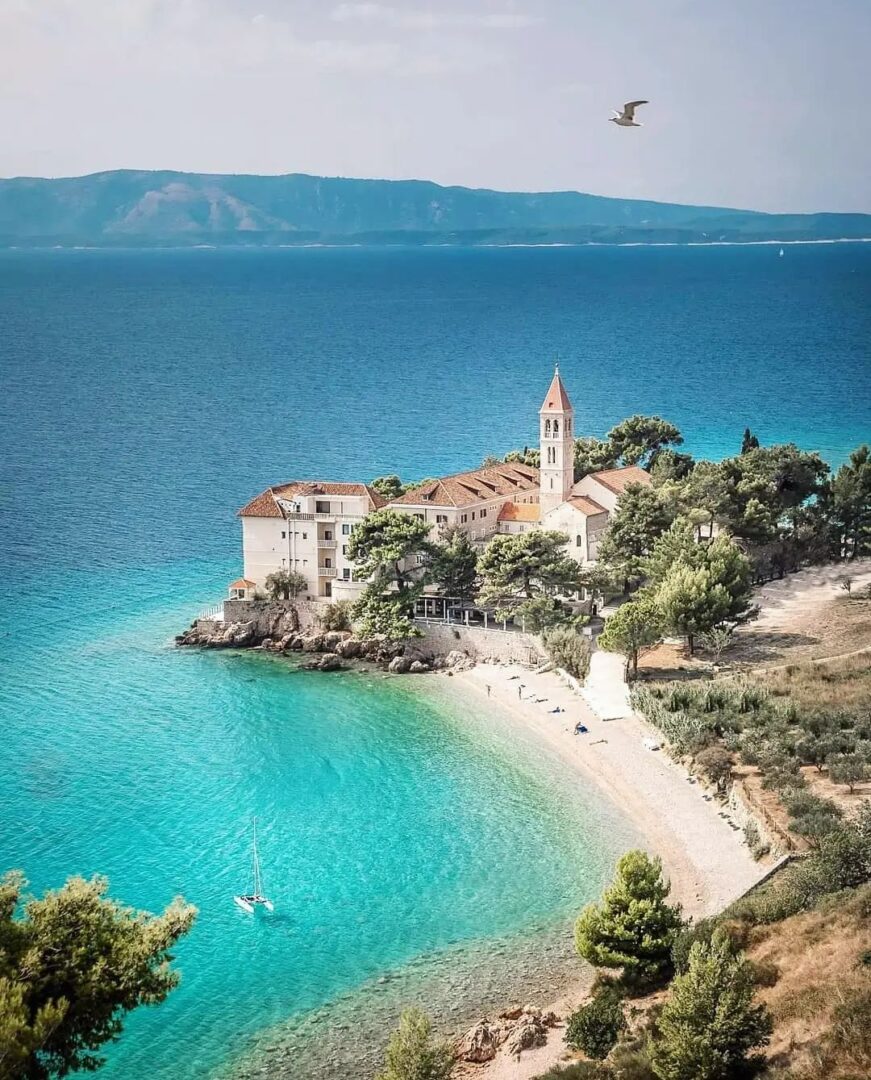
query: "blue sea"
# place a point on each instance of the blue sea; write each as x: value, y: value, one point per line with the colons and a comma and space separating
x: 414, y: 852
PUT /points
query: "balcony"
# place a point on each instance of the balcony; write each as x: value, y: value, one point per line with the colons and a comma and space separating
x: 326, y: 545
x: 327, y: 571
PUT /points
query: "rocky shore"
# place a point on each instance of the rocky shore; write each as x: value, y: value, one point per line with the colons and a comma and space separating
x: 279, y: 632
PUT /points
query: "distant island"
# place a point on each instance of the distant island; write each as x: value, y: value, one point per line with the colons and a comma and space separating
x: 130, y: 208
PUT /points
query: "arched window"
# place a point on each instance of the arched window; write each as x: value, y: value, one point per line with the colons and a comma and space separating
x: 555, y: 428
x: 568, y: 425
x: 547, y: 428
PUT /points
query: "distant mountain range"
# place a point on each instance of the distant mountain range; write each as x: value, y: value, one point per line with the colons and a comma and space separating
x: 127, y: 208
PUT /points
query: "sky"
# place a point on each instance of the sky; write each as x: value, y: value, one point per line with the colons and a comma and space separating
x: 752, y: 104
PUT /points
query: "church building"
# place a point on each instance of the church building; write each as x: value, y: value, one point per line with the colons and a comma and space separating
x: 305, y: 525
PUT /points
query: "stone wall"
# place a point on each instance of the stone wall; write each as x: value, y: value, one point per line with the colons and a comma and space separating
x: 746, y: 810
x: 506, y: 647
x: 247, y: 610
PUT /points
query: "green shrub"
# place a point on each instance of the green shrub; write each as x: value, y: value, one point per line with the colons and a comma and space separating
x: 578, y: 1070
x: 686, y: 937
x: 595, y: 1027
x: 413, y: 1054
x: 569, y: 650
x: 336, y: 616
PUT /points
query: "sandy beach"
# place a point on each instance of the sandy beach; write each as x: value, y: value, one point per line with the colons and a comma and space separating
x: 704, y: 856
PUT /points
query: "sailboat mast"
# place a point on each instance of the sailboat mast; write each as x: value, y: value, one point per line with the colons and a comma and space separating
x: 258, y: 885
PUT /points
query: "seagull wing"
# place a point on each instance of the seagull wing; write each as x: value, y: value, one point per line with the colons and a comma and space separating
x: 630, y: 107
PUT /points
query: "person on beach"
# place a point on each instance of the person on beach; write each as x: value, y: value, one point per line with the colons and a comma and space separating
x: 488, y: 690
x: 520, y: 692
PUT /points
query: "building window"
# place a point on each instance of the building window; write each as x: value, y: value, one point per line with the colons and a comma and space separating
x: 346, y: 530
x: 346, y: 573
x: 464, y: 518
x: 579, y: 541
x: 473, y: 515
x: 283, y: 535
x: 328, y: 535
x: 322, y: 507
x: 555, y: 428
x: 419, y: 517
x: 328, y: 563
x: 547, y: 429
x: 418, y: 559
x: 344, y: 549
x: 441, y: 519
x: 483, y: 513
x: 284, y: 562
x: 305, y: 536
x: 551, y: 483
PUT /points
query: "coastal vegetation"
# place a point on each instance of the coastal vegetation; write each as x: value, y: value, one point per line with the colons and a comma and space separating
x: 414, y: 1054
x: 785, y: 967
x: 285, y: 585
x: 632, y: 927
x: 73, y: 963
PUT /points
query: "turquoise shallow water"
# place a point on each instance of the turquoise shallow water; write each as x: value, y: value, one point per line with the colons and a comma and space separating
x: 146, y: 396
x: 390, y: 826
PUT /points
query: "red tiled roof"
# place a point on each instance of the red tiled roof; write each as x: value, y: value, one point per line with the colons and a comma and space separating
x: 520, y: 512
x: 242, y: 583
x: 266, y: 505
x: 587, y: 506
x: 465, y: 489
x: 556, y: 399
x: 618, y: 480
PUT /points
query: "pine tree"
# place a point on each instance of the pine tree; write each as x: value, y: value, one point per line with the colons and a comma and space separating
x: 412, y: 1054
x: 632, y: 927
x: 709, y: 1024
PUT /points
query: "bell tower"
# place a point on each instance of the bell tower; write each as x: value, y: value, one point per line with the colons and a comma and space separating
x: 557, y: 441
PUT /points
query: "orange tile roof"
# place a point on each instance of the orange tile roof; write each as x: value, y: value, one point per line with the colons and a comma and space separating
x: 520, y: 512
x: 619, y: 479
x: 468, y: 488
x: 266, y: 503
x: 242, y: 583
x: 556, y: 399
x: 587, y: 506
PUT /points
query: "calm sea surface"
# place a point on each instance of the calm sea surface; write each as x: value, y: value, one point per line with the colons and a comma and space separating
x: 146, y: 396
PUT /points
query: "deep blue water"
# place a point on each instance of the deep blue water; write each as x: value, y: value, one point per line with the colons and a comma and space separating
x: 147, y: 395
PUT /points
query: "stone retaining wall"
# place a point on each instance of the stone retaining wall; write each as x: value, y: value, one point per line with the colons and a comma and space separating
x: 745, y: 810
x: 506, y: 647
x: 248, y: 610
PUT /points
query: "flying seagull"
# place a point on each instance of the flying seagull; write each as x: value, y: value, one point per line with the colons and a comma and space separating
x: 627, y: 117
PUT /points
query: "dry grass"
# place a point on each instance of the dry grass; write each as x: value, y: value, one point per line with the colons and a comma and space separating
x: 819, y: 957
x: 840, y: 683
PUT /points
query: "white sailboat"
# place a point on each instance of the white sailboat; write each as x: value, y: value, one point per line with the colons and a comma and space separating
x: 781, y: 253
x: 254, y: 896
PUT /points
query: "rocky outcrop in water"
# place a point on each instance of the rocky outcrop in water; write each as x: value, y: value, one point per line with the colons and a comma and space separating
x: 277, y: 630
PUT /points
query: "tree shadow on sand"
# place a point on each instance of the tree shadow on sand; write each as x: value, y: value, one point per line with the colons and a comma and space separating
x: 760, y: 646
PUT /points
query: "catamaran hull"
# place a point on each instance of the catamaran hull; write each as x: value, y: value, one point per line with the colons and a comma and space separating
x: 244, y: 905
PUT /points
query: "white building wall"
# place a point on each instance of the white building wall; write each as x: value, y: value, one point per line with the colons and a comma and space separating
x: 312, y: 540
x: 604, y: 496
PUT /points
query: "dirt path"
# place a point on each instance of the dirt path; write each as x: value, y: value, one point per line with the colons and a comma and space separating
x: 806, y: 616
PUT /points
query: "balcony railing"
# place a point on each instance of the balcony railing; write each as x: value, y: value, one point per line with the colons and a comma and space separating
x: 327, y: 544
x: 327, y: 571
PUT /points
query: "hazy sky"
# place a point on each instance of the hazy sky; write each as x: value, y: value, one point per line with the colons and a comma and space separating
x: 754, y: 103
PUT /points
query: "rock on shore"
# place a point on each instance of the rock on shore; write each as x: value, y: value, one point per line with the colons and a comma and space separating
x: 278, y: 631
x: 518, y: 1030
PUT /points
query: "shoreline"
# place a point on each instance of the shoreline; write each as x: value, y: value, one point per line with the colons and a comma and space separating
x: 707, y: 861
x: 705, y: 858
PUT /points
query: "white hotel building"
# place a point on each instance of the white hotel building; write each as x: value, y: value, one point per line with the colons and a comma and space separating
x: 305, y: 525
